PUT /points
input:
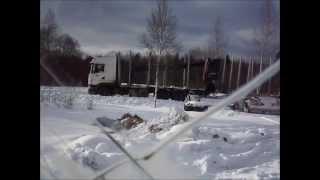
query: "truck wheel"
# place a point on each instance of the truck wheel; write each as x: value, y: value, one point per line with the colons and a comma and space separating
x: 92, y: 91
x: 186, y: 108
x: 245, y: 109
x: 132, y: 93
x: 101, y: 91
x: 143, y: 93
x: 104, y: 91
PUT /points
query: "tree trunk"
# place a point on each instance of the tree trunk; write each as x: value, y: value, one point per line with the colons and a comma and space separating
x: 230, y: 77
x: 252, y: 67
x: 223, y: 72
x: 119, y: 69
x: 249, y: 67
x: 149, y: 71
x: 269, y: 81
x: 164, y: 76
x: 184, y: 73
x: 188, y: 72
x: 239, y: 73
x: 157, y: 81
x: 130, y: 70
x: 260, y: 69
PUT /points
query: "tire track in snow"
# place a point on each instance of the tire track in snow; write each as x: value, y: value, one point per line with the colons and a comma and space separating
x: 276, y: 122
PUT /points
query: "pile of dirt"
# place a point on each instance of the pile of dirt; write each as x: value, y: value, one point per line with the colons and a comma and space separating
x: 129, y: 121
x: 174, y: 117
x: 155, y: 128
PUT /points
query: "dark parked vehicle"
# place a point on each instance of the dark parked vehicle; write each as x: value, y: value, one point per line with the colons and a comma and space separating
x: 193, y: 103
x: 259, y: 105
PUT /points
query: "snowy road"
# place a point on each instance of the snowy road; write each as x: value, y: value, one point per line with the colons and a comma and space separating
x: 228, y: 144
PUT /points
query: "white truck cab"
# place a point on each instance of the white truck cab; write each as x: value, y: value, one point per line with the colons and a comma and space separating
x: 102, y: 70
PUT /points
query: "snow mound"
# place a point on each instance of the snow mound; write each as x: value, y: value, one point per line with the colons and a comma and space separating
x: 173, y: 117
x: 237, y: 150
x: 269, y: 170
x: 168, y: 123
x: 94, y: 151
x: 78, y: 98
x: 234, y: 145
x: 205, y: 132
x: 98, y: 152
x: 107, y: 122
x: 159, y: 126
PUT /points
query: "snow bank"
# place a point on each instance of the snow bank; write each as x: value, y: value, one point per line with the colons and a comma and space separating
x: 234, y: 145
x: 165, y: 123
x: 268, y: 170
x: 205, y: 132
x: 58, y: 96
x: 95, y: 151
x: 215, y: 150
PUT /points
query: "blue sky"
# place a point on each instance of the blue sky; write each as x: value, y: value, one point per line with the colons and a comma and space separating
x: 103, y: 26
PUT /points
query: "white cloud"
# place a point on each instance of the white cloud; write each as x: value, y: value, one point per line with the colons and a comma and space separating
x: 245, y: 34
x: 93, y: 50
x: 191, y: 41
x: 102, y: 27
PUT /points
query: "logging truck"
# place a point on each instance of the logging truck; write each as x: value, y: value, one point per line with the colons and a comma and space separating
x: 111, y: 75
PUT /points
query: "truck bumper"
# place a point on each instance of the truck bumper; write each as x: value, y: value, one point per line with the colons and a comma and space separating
x: 195, y: 108
x: 92, y: 90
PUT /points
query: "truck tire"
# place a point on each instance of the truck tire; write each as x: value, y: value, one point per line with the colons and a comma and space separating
x: 143, y: 92
x: 105, y: 91
x: 102, y: 91
x: 245, y: 109
x: 92, y: 91
x: 187, y: 108
x: 133, y: 93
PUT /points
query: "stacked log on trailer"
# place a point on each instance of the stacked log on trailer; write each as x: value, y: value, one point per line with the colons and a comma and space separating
x: 182, y: 74
x: 173, y: 70
x: 240, y: 70
x: 177, y: 75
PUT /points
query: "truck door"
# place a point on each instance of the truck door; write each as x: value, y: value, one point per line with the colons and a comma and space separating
x: 97, y: 73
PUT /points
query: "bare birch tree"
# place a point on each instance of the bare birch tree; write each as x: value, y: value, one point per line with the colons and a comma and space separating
x: 53, y: 41
x: 267, y: 37
x: 48, y: 31
x: 217, y: 39
x: 160, y: 37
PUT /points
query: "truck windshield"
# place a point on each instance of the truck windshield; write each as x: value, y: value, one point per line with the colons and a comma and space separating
x: 194, y: 98
x: 96, y: 68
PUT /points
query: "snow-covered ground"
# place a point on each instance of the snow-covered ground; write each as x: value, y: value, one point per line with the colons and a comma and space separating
x: 228, y: 144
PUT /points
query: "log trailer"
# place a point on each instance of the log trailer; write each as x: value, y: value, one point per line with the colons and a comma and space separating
x: 108, y: 76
